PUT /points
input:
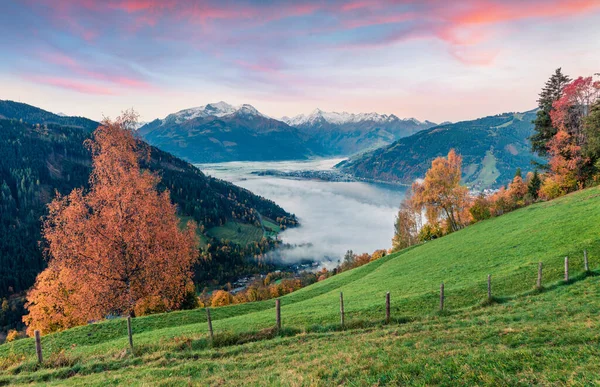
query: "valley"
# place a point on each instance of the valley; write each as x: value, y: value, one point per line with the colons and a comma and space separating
x: 330, y: 213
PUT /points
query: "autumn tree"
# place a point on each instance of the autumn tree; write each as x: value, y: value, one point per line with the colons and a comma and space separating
x: 409, y: 221
x: 362, y: 259
x: 441, y: 194
x: 517, y: 189
x: 115, y: 245
x: 55, y: 301
x: 543, y: 127
x: 377, y: 254
x: 570, y: 168
x: 570, y: 110
x: 221, y: 298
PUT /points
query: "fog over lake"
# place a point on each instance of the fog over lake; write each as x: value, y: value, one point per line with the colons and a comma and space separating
x: 334, y: 216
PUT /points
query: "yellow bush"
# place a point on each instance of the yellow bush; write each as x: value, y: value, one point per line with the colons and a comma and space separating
x: 221, y: 298
x: 150, y: 305
x: 551, y: 189
x: 12, y: 335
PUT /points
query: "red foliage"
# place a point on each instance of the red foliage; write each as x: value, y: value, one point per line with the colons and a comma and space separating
x: 115, y: 246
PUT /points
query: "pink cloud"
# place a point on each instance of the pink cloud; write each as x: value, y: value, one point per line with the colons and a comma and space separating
x: 491, y: 12
x: 264, y: 66
x: 78, y: 68
x: 463, y: 26
x: 466, y: 26
x: 366, y: 21
x: 71, y: 84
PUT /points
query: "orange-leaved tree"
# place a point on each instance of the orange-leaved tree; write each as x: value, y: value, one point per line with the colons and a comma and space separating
x: 115, y: 245
x: 441, y: 194
x: 409, y: 221
x: 569, y: 169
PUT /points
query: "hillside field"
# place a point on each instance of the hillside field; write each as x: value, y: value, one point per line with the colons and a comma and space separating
x: 236, y: 232
x: 524, y: 337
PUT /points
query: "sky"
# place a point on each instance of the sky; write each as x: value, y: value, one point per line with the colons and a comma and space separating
x: 430, y: 59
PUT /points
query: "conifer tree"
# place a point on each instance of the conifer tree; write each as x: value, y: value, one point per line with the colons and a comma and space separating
x: 544, y: 130
x: 533, y: 188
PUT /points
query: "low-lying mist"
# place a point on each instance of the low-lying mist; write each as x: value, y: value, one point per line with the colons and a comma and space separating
x: 334, y: 216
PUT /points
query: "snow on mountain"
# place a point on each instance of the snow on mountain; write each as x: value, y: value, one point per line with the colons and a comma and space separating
x: 218, y: 109
x: 342, y: 118
x: 140, y: 124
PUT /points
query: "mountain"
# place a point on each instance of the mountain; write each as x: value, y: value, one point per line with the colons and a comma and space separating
x: 27, y: 113
x: 220, y: 132
x: 38, y: 160
x: 347, y: 133
x: 492, y: 149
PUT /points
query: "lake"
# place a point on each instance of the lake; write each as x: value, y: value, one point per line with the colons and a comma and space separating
x: 334, y: 216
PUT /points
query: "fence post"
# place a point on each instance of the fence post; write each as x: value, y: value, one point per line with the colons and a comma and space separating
x: 585, y: 261
x: 442, y: 297
x: 489, y: 284
x: 38, y: 346
x: 342, y: 309
x: 566, y: 269
x: 129, y: 333
x: 539, y: 279
x: 387, y: 308
x: 278, y: 314
x: 210, y: 328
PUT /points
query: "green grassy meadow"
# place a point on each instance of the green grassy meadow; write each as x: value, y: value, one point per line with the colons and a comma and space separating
x: 524, y: 337
x: 271, y: 228
x: 240, y: 233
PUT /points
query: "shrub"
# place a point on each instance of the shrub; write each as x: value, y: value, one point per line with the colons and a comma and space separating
x: 551, y: 189
x: 221, y: 298
x: 12, y: 335
x: 480, y: 210
x: 430, y: 232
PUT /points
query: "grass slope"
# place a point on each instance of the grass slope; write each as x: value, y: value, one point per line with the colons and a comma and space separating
x: 236, y: 232
x: 528, y: 338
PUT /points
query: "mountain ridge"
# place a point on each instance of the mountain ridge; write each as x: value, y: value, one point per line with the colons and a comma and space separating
x: 492, y: 148
x: 341, y: 118
x: 218, y: 132
x: 29, y: 113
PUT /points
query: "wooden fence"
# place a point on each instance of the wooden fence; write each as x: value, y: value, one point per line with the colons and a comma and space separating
x: 539, y: 285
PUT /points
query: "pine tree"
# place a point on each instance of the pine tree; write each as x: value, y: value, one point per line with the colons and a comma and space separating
x: 518, y: 173
x: 533, y: 188
x: 544, y: 130
x: 591, y: 148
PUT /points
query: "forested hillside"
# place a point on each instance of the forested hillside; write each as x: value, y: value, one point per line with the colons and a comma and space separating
x: 27, y: 113
x: 38, y: 160
x: 492, y: 149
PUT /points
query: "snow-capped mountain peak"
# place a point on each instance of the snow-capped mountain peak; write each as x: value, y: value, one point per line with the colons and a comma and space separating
x: 217, y: 109
x: 340, y: 118
x: 248, y: 109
